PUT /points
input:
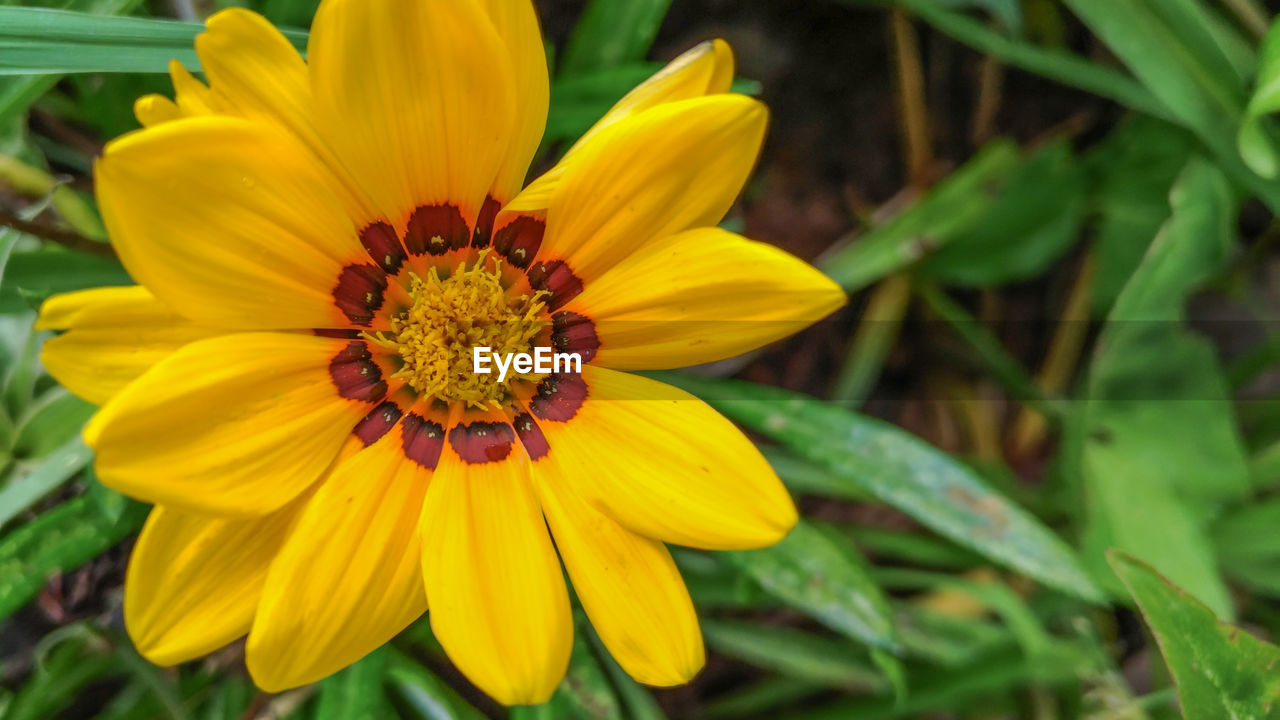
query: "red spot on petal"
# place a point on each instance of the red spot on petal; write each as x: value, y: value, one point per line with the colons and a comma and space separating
x: 422, y: 440
x: 383, y: 244
x: 557, y: 279
x: 574, y: 333
x: 482, y: 442
x: 519, y: 240
x: 558, y: 397
x: 435, y: 230
x: 356, y: 375
x: 531, y: 437
x: 378, y: 422
x: 339, y: 334
x: 484, y: 223
x: 358, y: 293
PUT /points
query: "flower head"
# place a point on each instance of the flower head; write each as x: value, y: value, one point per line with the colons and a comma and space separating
x: 320, y: 246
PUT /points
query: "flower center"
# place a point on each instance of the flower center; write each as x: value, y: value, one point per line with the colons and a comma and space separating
x: 450, y: 317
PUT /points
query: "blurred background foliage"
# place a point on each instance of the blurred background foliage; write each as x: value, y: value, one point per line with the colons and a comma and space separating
x: 1039, y: 454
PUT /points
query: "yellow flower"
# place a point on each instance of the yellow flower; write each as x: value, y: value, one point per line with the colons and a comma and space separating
x: 320, y: 246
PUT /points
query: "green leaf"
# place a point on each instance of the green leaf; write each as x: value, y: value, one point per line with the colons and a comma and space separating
x: 1191, y: 61
x: 903, y: 471
x: 954, y: 204
x: 1160, y: 446
x: 1008, y: 12
x: 77, y: 658
x: 423, y: 692
x: 1248, y: 546
x: 355, y: 693
x: 611, y: 33
x: 1029, y: 225
x: 52, y: 421
x: 820, y: 574
x: 60, y: 540
x: 584, y: 694
x: 50, y: 270
x: 1220, y: 670
x: 1063, y: 67
x: 817, y: 659
x: 31, y: 481
x: 36, y: 41
x: 1257, y: 144
x: 1132, y: 172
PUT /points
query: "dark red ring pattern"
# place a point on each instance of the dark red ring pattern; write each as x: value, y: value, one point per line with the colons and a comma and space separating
x: 359, y: 294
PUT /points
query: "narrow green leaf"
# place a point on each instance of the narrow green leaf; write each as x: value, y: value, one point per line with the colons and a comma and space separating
x: 61, y: 539
x: 356, y: 692
x: 1057, y: 65
x: 1220, y: 670
x: 903, y: 471
x: 817, y: 659
x: 76, y: 660
x: 926, y: 226
x: 54, y: 419
x: 36, y: 41
x: 424, y: 693
x: 637, y: 700
x: 611, y: 33
x: 822, y: 575
x: 31, y: 481
x: 1257, y: 145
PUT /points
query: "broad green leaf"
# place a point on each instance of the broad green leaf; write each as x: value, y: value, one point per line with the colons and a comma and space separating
x: 820, y: 574
x: 926, y: 226
x: 1028, y: 225
x: 36, y: 41
x: 424, y: 693
x: 817, y: 659
x: 50, y: 270
x: 1249, y: 546
x: 1220, y: 671
x: 61, y: 539
x: 903, y: 471
x: 1257, y: 145
x: 611, y: 33
x: 355, y: 693
x: 1131, y: 174
x: 1160, y: 446
x: 32, y: 480
x: 584, y: 694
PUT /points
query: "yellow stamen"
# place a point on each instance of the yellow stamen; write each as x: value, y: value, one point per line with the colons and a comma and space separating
x: 451, y: 316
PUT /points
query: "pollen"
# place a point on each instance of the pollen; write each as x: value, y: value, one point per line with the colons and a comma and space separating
x: 450, y: 316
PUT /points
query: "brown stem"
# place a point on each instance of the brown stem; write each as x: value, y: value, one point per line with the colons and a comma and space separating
x: 59, y: 236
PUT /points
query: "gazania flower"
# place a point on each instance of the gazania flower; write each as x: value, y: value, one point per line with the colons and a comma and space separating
x: 320, y: 246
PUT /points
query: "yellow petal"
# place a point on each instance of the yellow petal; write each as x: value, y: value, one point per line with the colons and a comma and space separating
x: 673, y: 167
x: 192, y: 97
x: 498, y: 601
x: 155, y: 109
x: 417, y: 100
x: 664, y: 464
x: 256, y: 73
x: 114, y: 334
x: 235, y: 424
x: 348, y: 578
x: 517, y: 26
x: 628, y: 584
x: 706, y: 69
x: 229, y: 222
x: 193, y: 581
x: 699, y: 296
